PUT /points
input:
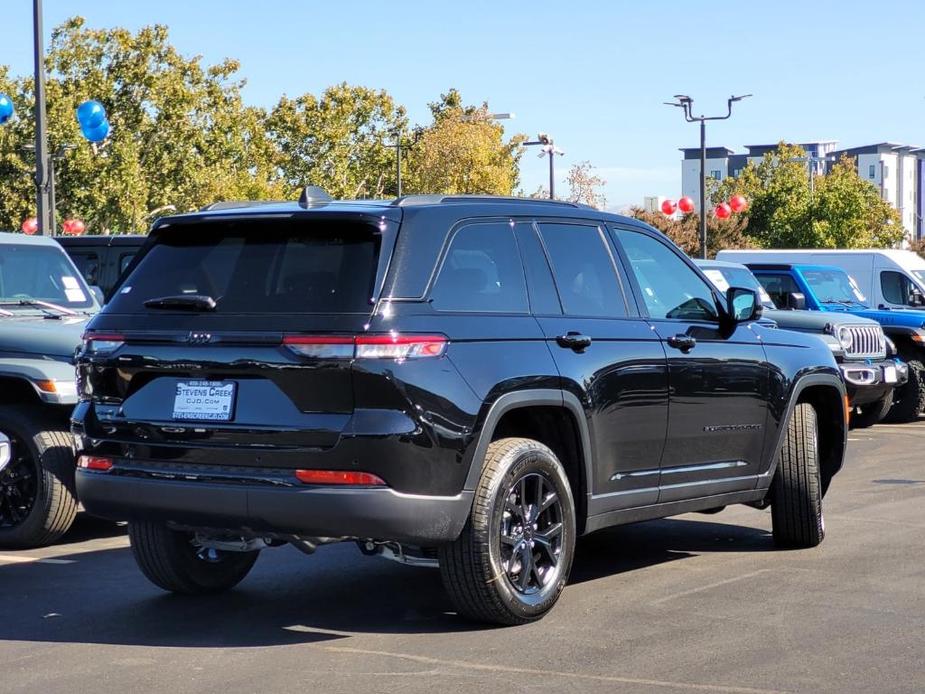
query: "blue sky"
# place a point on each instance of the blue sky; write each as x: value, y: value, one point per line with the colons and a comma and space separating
x: 593, y: 74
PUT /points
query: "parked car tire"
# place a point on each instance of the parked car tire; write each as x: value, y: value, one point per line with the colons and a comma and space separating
x: 37, y: 501
x: 171, y: 560
x: 514, y: 555
x: 909, y: 400
x: 796, y: 503
x: 871, y: 413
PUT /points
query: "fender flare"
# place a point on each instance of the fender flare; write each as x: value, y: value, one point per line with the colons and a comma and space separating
x: 541, y: 397
x: 802, y: 383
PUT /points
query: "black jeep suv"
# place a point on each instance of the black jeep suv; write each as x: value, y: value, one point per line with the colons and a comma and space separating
x: 463, y: 381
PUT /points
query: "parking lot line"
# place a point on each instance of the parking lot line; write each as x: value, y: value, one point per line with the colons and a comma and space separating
x: 462, y: 664
x: 709, y: 586
x: 16, y: 559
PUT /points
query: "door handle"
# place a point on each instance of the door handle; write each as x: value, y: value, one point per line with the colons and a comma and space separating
x: 683, y: 342
x: 574, y: 341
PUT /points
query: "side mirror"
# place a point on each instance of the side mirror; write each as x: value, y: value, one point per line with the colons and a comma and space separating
x: 743, y: 304
x: 98, y: 295
x: 796, y: 301
x: 916, y: 298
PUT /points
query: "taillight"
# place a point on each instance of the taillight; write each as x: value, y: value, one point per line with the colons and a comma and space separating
x: 339, y: 477
x: 320, y: 347
x: 102, y: 343
x: 390, y: 346
x: 400, y: 346
x: 94, y: 462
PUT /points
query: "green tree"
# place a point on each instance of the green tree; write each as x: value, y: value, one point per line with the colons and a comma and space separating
x: 339, y: 141
x: 463, y: 151
x: 181, y: 134
x: 787, y: 210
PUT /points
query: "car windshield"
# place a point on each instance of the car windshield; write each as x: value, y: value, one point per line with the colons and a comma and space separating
x: 40, y: 273
x: 833, y: 286
x: 725, y: 277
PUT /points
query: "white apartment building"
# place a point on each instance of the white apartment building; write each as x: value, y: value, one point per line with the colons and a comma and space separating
x: 897, y: 170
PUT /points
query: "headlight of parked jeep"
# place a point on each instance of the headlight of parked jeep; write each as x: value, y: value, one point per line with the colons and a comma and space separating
x: 845, y: 338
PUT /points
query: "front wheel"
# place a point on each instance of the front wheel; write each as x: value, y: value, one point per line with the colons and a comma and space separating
x: 909, y: 399
x: 796, y: 502
x: 513, y: 557
x: 171, y: 560
x: 37, y: 503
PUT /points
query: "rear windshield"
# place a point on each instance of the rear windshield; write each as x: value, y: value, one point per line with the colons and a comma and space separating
x: 43, y: 273
x: 259, y: 266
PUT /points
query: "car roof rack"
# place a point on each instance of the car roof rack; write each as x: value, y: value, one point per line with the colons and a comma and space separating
x: 237, y: 204
x: 410, y: 200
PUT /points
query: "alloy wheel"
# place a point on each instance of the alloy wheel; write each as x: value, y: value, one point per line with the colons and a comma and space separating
x: 18, y: 484
x: 531, y: 534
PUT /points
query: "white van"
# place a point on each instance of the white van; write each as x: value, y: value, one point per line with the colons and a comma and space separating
x: 888, y: 278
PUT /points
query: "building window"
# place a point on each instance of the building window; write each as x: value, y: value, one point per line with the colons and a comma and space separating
x: 736, y: 172
x: 886, y: 171
x: 872, y: 171
x: 715, y: 173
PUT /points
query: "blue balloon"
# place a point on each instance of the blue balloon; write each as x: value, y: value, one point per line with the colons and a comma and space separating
x: 6, y: 109
x: 91, y: 114
x: 97, y: 134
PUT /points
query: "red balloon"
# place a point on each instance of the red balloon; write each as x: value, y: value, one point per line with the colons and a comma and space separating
x: 77, y: 227
x: 738, y: 203
x: 686, y: 205
x: 30, y: 225
x: 66, y: 226
x: 668, y: 207
x: 723, y: 211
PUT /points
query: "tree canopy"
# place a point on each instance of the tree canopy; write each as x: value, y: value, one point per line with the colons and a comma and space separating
x: 182, y: 136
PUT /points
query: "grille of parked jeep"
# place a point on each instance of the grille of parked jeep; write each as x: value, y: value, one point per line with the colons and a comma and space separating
x: 866, y: 342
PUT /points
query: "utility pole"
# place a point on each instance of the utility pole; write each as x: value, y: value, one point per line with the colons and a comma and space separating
x: 398, y: 163
x: 43, y: 185
x: 685, y: 102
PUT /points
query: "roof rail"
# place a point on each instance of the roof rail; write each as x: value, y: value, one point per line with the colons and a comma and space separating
x: 408, y: 200
x: 236, y: 204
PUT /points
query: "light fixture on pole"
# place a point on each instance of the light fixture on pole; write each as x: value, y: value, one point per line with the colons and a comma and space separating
x: 547, y: 148
x: 687, y: 103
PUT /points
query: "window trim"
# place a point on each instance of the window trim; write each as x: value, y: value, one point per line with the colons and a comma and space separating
x: 444, y: 252
x: 615, y: 228
x: 600, y: 226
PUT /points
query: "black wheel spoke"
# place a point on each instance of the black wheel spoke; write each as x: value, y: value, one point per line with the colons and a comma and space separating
x: 531, y: 533
x: 18, y: 486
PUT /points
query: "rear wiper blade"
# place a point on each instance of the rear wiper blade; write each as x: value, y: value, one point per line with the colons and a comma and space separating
x: 41, y: 304
x: 187, y: 302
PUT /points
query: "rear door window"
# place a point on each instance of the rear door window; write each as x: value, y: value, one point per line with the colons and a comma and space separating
x: 89, y: 265
x: 482, y: 272
x: 269, y: 266
x: 584, y: 270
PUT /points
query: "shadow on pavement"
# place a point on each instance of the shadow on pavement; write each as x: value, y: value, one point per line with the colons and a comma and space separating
x: 292, y: 599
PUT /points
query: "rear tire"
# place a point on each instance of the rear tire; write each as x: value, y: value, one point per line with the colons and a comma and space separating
x: 909, y: 400
x: 796, y: 506
x: 513, y: 557
x: 170, y: 560
x: 872, y: 413
x: 37, y: 500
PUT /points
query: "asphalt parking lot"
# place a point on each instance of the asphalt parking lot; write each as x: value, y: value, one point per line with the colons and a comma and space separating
x: 695, y: 603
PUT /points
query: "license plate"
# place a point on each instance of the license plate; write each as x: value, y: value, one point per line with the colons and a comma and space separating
x: 889, y: 374
x: 211, y: 401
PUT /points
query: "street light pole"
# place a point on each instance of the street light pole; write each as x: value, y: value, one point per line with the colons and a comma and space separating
x: 43, y: 186
x: 548, y: 149
x: 685, y: 102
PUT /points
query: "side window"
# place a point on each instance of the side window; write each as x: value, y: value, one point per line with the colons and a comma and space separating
x: 670, y: 288
x: 584, y: 270
x: 895, y: 287
x: 778, y: 286
x: 543, y: 297
x: 124, y: 260
x: 89, y: 266
x: 482, y: 271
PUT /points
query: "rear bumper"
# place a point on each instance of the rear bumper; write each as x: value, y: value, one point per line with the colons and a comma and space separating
x: 369, y: 512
